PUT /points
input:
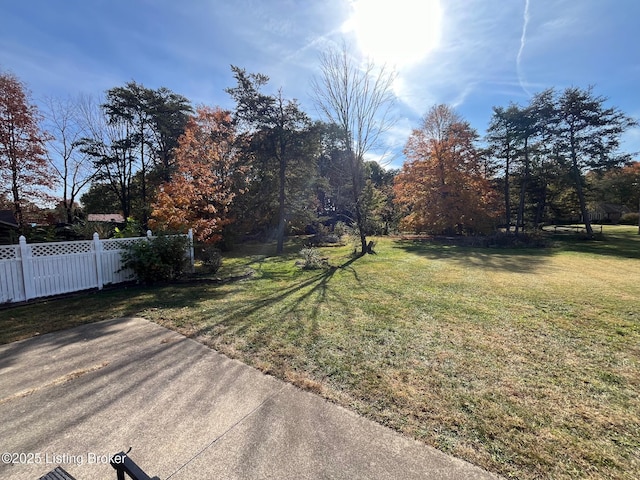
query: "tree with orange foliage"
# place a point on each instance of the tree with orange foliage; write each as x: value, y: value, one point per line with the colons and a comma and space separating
x: 210, y: 173
x: 441, y: 185
x: 25, y: 174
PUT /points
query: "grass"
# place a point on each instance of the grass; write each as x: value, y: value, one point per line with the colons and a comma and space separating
x: 524, y: 362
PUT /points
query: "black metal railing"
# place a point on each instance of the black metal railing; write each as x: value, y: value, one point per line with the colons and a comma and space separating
x: 124, y: 465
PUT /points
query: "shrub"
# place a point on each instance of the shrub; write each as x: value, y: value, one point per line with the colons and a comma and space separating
x: 323, y: 237
x: 85, y: 230
x: 341, y: 229
x: 131, y: 229
x: 211, y: 258
x: 629, y: 219
x: 312, y: 259
x: 158, y: 259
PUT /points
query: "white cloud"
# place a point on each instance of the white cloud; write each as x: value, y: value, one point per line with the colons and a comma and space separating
x: 478, y: 47
x: 462, y: 95
x: 523, y: 40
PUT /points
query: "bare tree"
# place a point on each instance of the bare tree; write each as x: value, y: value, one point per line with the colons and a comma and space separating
x: 73, y: 167
x: 111, y: 151
x: 357, y: 98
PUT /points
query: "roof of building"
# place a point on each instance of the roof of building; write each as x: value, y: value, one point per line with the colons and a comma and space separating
x: 611, y: 208
x: 8, y: 218
x: 106, y: 217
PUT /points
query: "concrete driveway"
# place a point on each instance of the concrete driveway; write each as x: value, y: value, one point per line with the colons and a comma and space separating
x: 75, y: 397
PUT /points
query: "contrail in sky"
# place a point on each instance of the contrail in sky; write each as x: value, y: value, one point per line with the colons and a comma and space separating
x: 523, y: 40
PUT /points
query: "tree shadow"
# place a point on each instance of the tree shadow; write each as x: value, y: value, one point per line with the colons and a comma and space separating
x: 622, y: 245
x: 130, y: 368
x: 523, y: 260
x: 317, y: 285
x: 86, y: 308
x: 52, y: 341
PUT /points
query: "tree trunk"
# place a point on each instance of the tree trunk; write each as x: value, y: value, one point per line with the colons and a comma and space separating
x: 507, y: 200
x: 542, y: 203
x: 523, y: 188
x: 68, y: 203
x: 281, y: 207
x: 69, y: 210
x: 357, y: 189
x: 520, y: 217
x: 17, y: 209
x: 363, y: 236
x: 581, y: 198
x: 579, y: 190
x: 143, y: 182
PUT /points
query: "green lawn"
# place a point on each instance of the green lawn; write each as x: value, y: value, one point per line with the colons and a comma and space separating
x: 524, y: 362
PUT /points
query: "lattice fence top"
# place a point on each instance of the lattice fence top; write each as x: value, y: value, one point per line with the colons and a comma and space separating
x: 8, y: 252
x: 60, y: 248
x: 119, y: 243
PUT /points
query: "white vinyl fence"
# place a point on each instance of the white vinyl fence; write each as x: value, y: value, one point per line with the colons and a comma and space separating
x: 42, y: 269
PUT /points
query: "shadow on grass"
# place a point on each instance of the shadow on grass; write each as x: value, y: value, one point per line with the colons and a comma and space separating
x: 50, y: 315
x: 512, y: 260
x: 54, y: 314
x: 238, y: 314
x: 622, y: 245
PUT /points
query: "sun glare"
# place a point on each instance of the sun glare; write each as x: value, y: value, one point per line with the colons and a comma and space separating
x: 397, y: 32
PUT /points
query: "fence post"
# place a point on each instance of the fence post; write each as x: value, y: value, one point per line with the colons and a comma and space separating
x: 27, y: 269
x: 97, y: 248
x: 191, y: 255
x: 149, y: 234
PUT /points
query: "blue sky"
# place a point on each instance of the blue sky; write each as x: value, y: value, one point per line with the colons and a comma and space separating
x: 470, y: 54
